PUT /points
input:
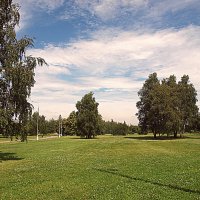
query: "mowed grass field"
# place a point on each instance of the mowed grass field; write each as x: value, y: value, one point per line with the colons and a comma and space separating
x: 109, y: 167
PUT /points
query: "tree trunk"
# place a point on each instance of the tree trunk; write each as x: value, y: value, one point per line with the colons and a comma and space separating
x: 154, y: 135
x: 181, y: 133
x: 175, y: 134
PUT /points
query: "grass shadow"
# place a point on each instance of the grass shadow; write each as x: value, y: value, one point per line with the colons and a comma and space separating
x: 79, y: 138
x: 162, y: 137
x: 174, y: 187
x: 154, y: 139
x: 8, y: 156
x: 196, y: 137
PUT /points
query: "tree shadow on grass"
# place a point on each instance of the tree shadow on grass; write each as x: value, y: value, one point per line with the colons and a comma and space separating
x: 79, y: 138
x: 162, y: 137
x: 174, y: 187
x: 8, y: 156
x: 196, y: 137
x: 154, y: 139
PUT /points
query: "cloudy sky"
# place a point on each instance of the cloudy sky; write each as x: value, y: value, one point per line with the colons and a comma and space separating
x: 108, y: 47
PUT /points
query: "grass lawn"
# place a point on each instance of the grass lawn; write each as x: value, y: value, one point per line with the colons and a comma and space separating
x: 108, y: 167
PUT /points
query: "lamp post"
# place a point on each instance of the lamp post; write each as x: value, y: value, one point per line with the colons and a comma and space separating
x: 37, y: 121
x: 60, y: 126
x: 38, y: 124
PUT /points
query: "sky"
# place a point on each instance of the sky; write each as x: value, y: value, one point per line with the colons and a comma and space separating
x: 108, y: 47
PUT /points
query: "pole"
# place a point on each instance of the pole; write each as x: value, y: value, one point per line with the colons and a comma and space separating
x: 37, y: 138
x: 60, y: 126
x: 38, y: 124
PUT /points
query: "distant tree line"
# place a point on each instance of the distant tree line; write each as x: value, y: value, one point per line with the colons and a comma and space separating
x: 85, y: 122
x: 44, y: 126
x: 118, y: 128
x: 104, y: 127
x: 167, y: 106
x: 160, y: 112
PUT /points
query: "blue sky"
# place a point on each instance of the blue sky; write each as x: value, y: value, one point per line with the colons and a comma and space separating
x: 108, y: 47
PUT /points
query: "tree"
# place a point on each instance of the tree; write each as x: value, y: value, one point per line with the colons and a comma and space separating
x: 163, y: 114
x: 167, y: 107
x: 70, y: 124
x: 87, y: 116
x: 16, y: 72
x: 144, y: 105
x: 52, y: 126
x: 42, y: 124
x: 134, y: 129
x: 197, y: 123
x: 114, y: 128
x: 188, y: 100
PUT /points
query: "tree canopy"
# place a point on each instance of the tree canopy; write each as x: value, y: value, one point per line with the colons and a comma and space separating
x: 16, y: 73
x: 87, y: 116
x: 70, y: 124
x: 167, y: 107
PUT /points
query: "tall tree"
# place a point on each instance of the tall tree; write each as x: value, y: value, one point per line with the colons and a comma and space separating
x: 164, y: 115
x: 144, y: 105
x: 70, y: 124
x: 16, y: 72
x: 87, y: 116
x: 188, y: 100
x: 167, y: 107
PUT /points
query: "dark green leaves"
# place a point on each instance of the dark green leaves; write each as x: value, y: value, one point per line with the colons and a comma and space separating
x: 16, y: 71
x: 167, y: 107
x: 87, y: 116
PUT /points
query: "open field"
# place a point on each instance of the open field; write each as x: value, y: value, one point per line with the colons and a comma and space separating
x: 108, y: 167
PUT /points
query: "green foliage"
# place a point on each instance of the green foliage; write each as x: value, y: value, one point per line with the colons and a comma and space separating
x: 42, y: 124
x: 134, y: 129
x: 197, y: 123
x: 87, y: 116
x: 144, y: 105
x: 16, y: 72
x: 115, y: 128
x: 52, y: 126
x: 107, y: 168
x: 188, y: 100
x: 70, y: 124
x: 167, y: 107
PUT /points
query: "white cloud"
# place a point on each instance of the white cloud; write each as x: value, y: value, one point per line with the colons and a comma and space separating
x: 29, y: 8
x: 114, y: 66
x: 137, y: 9
x: 109, y: 9
x: 46, y: 4
x: 43, y: 4
x: 162, y: 7
x: 132, y: 12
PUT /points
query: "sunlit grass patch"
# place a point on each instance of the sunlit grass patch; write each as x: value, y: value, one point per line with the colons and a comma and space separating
x: 104, y: 168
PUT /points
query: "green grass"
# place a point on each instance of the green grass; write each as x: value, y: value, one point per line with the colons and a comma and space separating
x: 104, y: 168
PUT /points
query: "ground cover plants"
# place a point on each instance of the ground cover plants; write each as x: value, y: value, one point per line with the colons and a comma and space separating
x: 109, y: 167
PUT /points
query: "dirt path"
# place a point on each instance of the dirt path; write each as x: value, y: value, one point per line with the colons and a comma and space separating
x: 32, y: 139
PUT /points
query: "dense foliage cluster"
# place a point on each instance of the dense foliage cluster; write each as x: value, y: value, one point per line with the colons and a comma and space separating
x: 16, y: 73
x: 167, y: 106
x: 114, y: 128
x: 36, y: 119
x: 87, y: 116
x: 70, y: 124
